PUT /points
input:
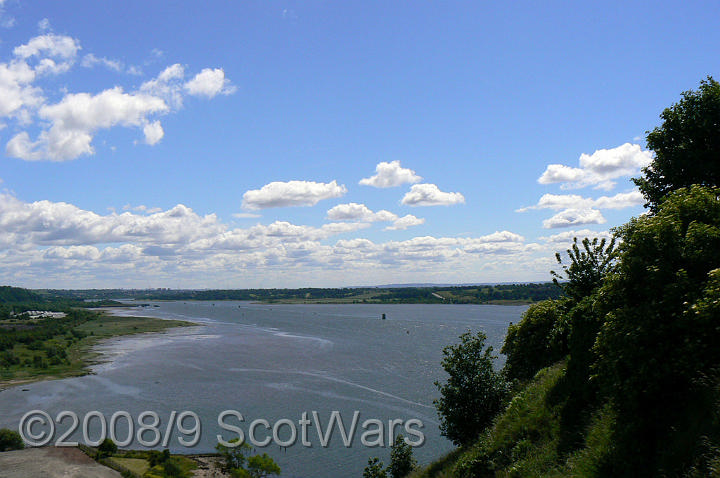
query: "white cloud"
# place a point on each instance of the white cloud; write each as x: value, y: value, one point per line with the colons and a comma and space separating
x: 404, y: 222
x: 246, y: 215
x: 167, y: 85
x: 430, y: 195
x: 153, y: 132
x: 574, y: 217
x: 67, y: 128
x: 44, y: 25
x: 358, y: 212
x: 566, y: 238
x: 91, y: 60
x: 59, y: 46
x: 390, y: 175
x: 47, y: 243
x: 77, y: 117
x: 210, y: 83
x: 599, y: 169
x: 291, y: 193
x: 574, y: 201
x: 55, y: 54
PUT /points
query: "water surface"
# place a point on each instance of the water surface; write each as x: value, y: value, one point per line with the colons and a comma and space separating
x: 273, y: 362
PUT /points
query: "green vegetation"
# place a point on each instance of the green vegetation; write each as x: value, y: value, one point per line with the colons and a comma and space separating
x: 142, y: 463
x: 464, y: 412
x: 10, y: 440
x: 238, y: 462
x: 41, y: 348
x: 476, y: 294
x: 401, y: 464
x: 620, y: 377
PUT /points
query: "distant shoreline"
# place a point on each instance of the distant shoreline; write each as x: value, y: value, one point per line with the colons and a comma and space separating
x: 81, y: 354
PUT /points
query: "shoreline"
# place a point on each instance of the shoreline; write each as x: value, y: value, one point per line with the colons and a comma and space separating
x: 82, y: 355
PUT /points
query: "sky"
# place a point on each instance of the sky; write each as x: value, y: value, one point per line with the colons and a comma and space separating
x: 239, y: 144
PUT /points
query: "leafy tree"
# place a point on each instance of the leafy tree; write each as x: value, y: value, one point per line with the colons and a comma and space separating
x: 238, y: 463
x: 657, y: 353
x: 686, y: 146
x: 588, y: 266
x: 107, y: 448
x: 10, y: 440
x: 233, y: 457
x: 172, y: 469
x: 374, y: 469
x: 474, y: 392
x: 402, y: 461
x: 534, y: 342
x: 262, y: 466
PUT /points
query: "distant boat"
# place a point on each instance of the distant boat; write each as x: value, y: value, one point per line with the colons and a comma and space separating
x: 383, y: 316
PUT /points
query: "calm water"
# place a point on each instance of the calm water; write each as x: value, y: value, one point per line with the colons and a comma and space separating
x: 273, y: 362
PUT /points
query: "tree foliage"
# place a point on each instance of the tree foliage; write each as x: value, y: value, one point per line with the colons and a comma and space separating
x: 474, y: 392
x: 534, y: 342
x: 587, y: 268
x: 238, y: 463
x: 374, y: 469
x: 658, y: 357
x: 10, y: 440
x: 402, y: 461
x: 686, y: 145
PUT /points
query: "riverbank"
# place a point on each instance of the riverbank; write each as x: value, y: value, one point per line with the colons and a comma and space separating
x: 73, y: 354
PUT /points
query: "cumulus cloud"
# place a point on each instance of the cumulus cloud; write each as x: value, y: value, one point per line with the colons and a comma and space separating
x: 64, y: 244
x: 566, y: 238
x: 153, y: 132
x: 291, y: 193
x: 391, y: 174
x: 402, y: 223
x: 574, y: 217
x: 68, y: 127
x: 599, y: 169
x: 358, y: 212
x: 430, y: 195
x: 210, y: 83
x: 574, y: 201
x: 78, y: 116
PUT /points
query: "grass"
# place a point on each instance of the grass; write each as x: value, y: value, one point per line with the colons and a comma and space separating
x: 521, y: 443
x: 77, y: 352
x: 139, y: 466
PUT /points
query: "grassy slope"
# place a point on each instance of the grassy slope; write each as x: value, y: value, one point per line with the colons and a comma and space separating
x: 521, y: 443
x: 79, y: 353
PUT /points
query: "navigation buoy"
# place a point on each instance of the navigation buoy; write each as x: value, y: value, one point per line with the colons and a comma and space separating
x: 383, y: 316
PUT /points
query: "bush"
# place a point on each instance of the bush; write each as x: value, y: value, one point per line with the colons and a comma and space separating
x: 10, y: 440
x: 474, y: 392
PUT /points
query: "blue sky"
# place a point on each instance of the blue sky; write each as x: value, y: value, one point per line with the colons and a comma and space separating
x: 223, y: 144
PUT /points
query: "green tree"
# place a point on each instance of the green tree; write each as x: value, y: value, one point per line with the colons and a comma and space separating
x: 10, y: 440
x: 474, y: 392
x: 534, y: 342
x: 262, y: 466
x: 686, y: 145
x: 238, y: 463
x: 107, y: 448
x: 172, y: 469
x: 402, y: 461
x: 374, y: 469
x: 657, y: 353
x: 587, y: 268
x: 233, y: 457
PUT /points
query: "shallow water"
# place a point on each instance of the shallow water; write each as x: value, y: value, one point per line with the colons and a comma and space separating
x: 274, y: 362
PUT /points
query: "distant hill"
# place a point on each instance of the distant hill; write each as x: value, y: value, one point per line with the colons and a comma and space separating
x: 13, y: 295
